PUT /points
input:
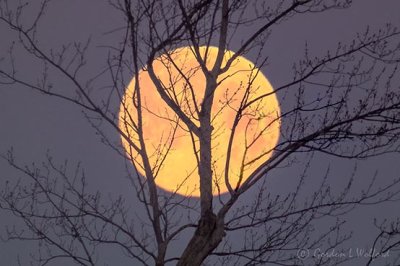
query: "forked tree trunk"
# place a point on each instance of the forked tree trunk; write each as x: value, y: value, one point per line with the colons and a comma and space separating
x: 210, y: 230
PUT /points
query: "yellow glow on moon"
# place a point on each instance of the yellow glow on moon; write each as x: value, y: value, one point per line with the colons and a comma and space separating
x: 170, y: 146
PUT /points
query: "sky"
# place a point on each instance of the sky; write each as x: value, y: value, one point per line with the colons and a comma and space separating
x: 35, y: 125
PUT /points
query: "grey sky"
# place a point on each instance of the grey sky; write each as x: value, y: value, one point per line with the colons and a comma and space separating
x: 33, y: 124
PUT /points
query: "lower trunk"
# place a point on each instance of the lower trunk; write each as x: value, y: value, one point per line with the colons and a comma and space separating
x: 207, y: 237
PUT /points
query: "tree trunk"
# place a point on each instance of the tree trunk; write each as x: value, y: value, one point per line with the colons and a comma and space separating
x: 210, y: 230
x: 207, y: 237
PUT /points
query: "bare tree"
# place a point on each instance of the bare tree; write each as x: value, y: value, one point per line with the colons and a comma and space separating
x: 345, y: 104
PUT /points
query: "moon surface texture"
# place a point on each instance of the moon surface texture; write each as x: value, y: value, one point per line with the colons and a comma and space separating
x: 171, y: 148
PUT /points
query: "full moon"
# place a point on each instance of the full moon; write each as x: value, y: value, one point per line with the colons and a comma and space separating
x: 172, y: 150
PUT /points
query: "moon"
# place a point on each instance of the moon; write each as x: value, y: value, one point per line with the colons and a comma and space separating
x: 172, y: 150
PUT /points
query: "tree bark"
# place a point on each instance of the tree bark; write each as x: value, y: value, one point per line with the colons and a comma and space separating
x: 207, y: 237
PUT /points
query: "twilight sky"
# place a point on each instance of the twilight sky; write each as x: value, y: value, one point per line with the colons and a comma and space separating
x: 35, y: 125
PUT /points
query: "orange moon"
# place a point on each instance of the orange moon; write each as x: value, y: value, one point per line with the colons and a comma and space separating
x: 170, y: 147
